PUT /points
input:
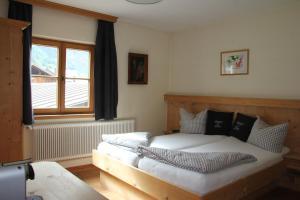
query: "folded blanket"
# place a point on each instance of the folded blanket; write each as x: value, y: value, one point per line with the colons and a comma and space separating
x: 198, y: 162
x: 128, y: 140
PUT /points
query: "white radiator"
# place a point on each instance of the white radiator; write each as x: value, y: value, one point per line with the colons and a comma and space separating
x: 73, y: 140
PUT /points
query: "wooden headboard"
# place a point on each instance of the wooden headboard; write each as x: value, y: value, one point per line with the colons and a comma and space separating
x: 273, y: 111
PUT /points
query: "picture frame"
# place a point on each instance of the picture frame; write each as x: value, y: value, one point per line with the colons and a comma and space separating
x: 235, y: 62
x: 137, y: 68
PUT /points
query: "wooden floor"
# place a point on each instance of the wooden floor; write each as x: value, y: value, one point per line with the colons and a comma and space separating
x: 90, y: 175
x: 281, y: 194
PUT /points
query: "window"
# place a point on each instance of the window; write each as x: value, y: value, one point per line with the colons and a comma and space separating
x: 62, y: 77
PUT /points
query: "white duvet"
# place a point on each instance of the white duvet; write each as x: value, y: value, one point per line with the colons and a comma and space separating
x: 172, y: 141
x: 130, y: 140
x: 183, y: 140
x: 204, y: 183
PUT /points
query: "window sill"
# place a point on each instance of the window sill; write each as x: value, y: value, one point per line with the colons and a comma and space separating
x: 63, y: 116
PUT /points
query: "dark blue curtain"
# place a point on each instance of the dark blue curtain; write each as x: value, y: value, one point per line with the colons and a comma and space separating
x: 21, y: 11
x: 105, y: 72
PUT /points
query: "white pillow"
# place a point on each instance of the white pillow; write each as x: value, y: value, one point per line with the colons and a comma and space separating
x: 265, y: 136
x: 192, y: 123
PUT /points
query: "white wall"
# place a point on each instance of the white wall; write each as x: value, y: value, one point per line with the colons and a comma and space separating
x: 189, y: 61
x: 273, y: 40
x: 143, y: 102
x: 59, y: 25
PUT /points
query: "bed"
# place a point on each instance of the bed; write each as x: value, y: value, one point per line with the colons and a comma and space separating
x: 145, y: 184
x: 204, y: 183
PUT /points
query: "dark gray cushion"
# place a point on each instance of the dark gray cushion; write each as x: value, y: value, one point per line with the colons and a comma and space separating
x: 242, y: 127
x: 218, y: 123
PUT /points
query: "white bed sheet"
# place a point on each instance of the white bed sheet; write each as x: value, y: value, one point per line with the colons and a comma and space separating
x: 128, y: 157
x: 179, y: 141
x: 204, y: 183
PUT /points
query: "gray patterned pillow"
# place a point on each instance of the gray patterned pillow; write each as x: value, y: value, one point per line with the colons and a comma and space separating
x: 191, y: 123
x: 265, y: 136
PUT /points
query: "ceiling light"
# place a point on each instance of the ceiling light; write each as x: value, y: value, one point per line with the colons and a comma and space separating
x: 144, y: 1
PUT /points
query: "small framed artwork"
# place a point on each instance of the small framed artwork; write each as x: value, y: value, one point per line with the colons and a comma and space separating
x: 235, y: 62
x: 137, y: 68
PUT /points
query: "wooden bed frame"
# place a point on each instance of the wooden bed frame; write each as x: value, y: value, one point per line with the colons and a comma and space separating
x: 134, y: 183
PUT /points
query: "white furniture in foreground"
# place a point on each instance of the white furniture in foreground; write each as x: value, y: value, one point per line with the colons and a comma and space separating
x: 53, y: 182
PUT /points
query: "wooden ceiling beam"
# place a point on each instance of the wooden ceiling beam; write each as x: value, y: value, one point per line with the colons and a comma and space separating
x: 70, y: 9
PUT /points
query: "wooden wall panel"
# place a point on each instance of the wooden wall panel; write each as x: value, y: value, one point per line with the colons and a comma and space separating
x: 4, y: 105
x: 273, y: 111
x: 11, y: 89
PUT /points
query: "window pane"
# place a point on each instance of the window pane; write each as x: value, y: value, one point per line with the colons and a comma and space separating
x: 44, y: 60
x: 44, y: 92
x: 77, y: 93
x: 77, y: 63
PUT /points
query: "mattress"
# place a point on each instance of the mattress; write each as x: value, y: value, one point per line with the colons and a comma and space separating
x: 204, y: 183
x: 183, y: 140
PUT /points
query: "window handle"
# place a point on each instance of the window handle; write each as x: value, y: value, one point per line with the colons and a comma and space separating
x: 63, y: 78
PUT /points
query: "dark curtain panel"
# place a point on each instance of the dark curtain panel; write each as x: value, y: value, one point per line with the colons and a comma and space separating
x: 105, y: 72
x: 21, y: 11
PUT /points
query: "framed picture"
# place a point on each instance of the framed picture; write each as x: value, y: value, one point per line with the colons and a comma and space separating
x: 235, y: 62
x: 137, y: 68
